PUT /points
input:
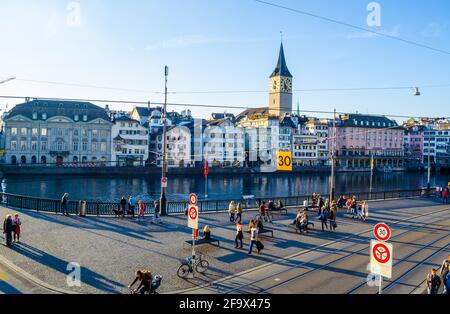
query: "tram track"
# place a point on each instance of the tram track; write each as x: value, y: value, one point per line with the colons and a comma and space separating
x: 284, y: 271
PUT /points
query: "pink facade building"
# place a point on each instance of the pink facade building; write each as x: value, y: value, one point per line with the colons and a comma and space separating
x: 359, y: 138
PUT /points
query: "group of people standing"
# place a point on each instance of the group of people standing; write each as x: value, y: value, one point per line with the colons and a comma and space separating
x: 254, y: 227
x: 434, y: 280
x: 11, y: 229
x: 358, y: 210
x: 131, y: 206
x: 443, y: 193
x: 235, y: 212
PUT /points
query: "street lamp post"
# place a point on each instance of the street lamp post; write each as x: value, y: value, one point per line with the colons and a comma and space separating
x: 163, y: 200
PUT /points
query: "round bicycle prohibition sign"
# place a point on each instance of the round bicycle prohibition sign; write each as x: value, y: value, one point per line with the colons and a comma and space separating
x: 193, y: 213
x: 381, y: 253
x: 193, y: 199
x: 382, y: 232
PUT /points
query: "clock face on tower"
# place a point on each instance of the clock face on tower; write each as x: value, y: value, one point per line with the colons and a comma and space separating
x: 274, y: 85
x: 286, y: 85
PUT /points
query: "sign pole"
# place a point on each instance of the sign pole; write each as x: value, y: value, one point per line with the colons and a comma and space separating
x: 193, y: 244
x: 380, y: 287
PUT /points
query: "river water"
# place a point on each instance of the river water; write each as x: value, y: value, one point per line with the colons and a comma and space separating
x: 219, y: 187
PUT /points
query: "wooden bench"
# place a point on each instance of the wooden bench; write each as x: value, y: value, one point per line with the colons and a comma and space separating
x: 264, y: 231
x: 204, y: 241
x: 279, y: 210
x: 297, y: 230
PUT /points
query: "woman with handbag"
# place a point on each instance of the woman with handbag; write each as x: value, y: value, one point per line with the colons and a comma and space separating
x: 332, y: 218
x: 239, y: 235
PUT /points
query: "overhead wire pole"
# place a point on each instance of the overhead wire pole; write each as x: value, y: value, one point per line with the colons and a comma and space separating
x: 429, y: 163
x: 163, y: 200
x: 333, y: 150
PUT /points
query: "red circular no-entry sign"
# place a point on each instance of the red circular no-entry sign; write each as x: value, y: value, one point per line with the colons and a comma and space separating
x: 382, y: 232
x: 381, y: 253
x: 193, y: 212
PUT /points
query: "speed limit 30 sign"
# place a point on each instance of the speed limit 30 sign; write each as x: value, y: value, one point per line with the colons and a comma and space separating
x: 382, y: 232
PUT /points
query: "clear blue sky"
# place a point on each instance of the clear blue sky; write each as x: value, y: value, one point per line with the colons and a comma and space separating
x: 228, y: 45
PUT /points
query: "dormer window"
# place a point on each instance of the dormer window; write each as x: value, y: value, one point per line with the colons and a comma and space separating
x: 35, y: 115
x: 84, y: 118
x: 44, y: 116
x: 76, y: 117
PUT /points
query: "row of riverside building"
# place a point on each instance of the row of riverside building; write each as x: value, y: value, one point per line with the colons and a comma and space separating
x: 68, y: 133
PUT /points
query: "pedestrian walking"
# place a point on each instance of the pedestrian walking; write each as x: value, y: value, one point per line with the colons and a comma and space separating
x: 239, y: 212
x: 16, y: 227
x: 8, y: 230
x: 131, y: 206
x: 305, y: 203
x: 157, y: 208
x: 445, y: 268
x: 123, y: 206
x: 433, y: 282
x: 332, y: 216
x: 447, y: 281
x: 365, y: 208
x: 64, y: 201
x: 324, y: 217
x: 231, y: 211
x: 253, y: 239
x: 445, y: 196
x: 239, y: 235
x: 141, y: 208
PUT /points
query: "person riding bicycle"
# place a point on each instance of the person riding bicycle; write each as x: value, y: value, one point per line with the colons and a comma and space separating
x: 145, y: 284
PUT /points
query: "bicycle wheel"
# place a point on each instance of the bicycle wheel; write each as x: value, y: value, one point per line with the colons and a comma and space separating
x: 202, y: 266
x: 183, y: 271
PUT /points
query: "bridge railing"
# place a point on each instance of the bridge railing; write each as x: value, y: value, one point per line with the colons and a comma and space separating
x: 177, y: 207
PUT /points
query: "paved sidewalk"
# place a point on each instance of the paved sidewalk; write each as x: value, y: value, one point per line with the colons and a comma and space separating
x: 109, y: 250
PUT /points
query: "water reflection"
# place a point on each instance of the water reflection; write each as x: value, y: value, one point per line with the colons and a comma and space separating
x: 219, y: 187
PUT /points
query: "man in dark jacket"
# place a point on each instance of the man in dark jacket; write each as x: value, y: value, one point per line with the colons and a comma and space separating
x: 8, y: 230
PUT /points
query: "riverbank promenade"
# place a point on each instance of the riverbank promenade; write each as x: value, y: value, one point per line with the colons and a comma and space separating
x: 110, y: 249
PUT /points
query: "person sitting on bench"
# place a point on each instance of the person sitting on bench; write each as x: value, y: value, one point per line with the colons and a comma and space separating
x: 206, y: 233
x: 280, y: 205
x: 341, y: 201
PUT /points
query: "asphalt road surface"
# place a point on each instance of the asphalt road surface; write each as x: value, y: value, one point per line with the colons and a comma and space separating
x: 420, y: 241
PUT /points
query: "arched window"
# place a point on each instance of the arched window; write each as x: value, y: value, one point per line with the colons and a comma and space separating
x: 84, y: 159
x: 33, y: 160
x: 23, y: 160
x: 13, y: 160
x: 75, y: 158
x: 43, y: 160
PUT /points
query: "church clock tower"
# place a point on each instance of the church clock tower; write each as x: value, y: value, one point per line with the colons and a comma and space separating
x: 280, y: 95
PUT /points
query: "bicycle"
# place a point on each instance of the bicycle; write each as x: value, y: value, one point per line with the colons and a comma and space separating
x: 189, y: 264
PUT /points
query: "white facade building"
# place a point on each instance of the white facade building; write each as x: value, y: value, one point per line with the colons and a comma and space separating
x: 130, y: 142
x: 178, y: 147
x: 224, y: 143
